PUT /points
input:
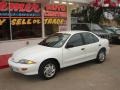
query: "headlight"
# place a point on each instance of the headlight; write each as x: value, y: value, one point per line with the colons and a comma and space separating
x: 24, y: 61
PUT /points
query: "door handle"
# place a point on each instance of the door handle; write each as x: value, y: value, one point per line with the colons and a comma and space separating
x: 83, y: 49
x: 99, y: 44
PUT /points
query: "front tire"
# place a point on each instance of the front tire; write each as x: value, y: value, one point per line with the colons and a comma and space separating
x: 101, y: 56
x: 47, y: 70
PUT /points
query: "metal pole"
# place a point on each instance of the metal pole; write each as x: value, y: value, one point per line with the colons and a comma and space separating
x: 102, y: 3
x: 10, y: 22
x: 43, y: 23
x: 68, y: 22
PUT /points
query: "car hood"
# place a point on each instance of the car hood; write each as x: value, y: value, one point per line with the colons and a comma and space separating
x: 31, y: 52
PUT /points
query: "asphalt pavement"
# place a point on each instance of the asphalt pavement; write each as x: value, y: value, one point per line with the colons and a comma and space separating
x: 85, y: 76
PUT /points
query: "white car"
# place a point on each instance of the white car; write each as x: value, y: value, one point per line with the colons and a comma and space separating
x: 58, y: 51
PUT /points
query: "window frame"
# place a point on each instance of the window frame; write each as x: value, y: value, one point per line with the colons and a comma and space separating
x: 78, y: 45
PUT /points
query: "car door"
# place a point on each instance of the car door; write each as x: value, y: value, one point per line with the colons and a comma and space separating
x: 92, y: 45
x: 73, y: 52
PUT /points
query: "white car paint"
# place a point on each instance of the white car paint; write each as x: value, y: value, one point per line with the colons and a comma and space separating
x: 65, y: 57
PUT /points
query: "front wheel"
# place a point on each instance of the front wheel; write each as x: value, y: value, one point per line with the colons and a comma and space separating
x: 101, y: 56
x: 47, y: 70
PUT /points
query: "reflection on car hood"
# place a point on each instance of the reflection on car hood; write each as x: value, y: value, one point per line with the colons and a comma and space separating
x: 31, y: 52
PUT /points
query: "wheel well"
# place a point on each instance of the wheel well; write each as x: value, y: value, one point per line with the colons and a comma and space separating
x: 103, y: 49
x: 52, y: 60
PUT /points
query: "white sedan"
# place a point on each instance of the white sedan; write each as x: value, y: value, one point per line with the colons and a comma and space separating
x: 59, y: 50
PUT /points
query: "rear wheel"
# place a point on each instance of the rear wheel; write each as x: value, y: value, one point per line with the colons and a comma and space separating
x: 48, y: 70
x: 101, y: 56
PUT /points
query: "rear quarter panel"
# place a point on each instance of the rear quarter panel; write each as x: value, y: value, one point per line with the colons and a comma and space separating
x: 105, y: 44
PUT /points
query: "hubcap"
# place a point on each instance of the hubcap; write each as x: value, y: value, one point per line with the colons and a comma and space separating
x: 49, y: 70
x: 102, y: 56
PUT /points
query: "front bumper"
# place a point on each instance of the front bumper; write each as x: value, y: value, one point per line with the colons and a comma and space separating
x: 30, y: 69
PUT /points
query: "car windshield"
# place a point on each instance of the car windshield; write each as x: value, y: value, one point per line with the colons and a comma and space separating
x: 95, y: 27
x: 56, y: 40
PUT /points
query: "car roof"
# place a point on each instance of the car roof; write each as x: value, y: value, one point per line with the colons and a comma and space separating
x: 73, y: 32
x: 87, y: 23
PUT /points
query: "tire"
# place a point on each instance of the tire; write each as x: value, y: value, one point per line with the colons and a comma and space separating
x: 47, y: 70
x: 101, y: 56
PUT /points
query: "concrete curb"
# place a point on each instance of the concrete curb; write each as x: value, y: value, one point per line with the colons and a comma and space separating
x: 4, y: 66
x: 4, y: 61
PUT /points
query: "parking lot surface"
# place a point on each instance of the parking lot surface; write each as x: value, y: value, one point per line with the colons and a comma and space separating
x: 85, y: 76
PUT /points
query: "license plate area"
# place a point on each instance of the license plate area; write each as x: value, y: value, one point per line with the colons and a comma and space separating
x: 14, y: 69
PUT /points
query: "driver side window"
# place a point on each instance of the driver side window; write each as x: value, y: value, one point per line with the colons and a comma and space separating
x: 75, y: 40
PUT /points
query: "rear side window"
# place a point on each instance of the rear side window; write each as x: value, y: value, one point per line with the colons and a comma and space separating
x: 89, y: 38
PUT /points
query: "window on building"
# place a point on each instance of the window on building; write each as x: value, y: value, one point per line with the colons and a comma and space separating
x: 26, y: 21
x: 55, y: 18
x: 51, y: 28
x: 4, y: 23
x: 4, y: 29
x: 22, y: 32
x: 20, y: 20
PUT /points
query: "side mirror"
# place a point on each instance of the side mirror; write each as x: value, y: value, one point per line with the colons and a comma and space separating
x: 69, y: 46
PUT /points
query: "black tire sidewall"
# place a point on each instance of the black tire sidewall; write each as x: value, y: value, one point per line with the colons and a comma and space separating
x: 41, y: 70
x: 97, y: 59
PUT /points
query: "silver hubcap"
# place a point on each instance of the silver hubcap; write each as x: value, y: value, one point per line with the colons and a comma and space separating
x: 102, y: 56
x: 49, y: 70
